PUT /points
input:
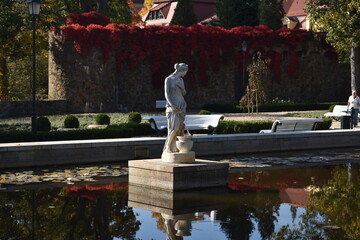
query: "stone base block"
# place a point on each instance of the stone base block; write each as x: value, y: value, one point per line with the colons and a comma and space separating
x: 178, y: 157
x: 178, y: 176
x: 175, y: 203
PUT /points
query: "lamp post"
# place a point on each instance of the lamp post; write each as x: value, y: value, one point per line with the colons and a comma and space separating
x: 244, y: 47
x: 34, y: 10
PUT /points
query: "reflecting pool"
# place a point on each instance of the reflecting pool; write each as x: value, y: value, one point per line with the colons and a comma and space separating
x: 96, y: 202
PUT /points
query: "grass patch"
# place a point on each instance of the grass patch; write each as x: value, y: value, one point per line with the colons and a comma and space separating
x: 307, y: 114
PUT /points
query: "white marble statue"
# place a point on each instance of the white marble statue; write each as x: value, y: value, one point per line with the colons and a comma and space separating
x: 175, y: 106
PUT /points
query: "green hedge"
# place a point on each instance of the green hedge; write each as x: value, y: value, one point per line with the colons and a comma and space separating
x: 270, y: 107
x: 134, y: 129
x: 229, y: 127
x: 113, y: 131
x: 325, y: 125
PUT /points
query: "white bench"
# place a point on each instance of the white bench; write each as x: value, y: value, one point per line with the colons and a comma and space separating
x: 192, y: 122
x: 160, y: 104
x: 293, y: 125
x: 338, y: 111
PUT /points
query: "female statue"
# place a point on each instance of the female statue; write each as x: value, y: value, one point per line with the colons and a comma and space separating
x: 175, y: 106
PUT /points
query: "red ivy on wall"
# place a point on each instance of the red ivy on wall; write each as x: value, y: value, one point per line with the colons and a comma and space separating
x: 204, y: 47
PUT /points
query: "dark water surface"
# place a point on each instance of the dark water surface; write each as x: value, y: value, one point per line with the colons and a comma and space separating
x: 267, y: 201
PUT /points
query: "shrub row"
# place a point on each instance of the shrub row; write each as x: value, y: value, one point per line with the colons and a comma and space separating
x: 135, y: 129
x: 230, y: 127
x: 115, y: 131
x: 270, y: 107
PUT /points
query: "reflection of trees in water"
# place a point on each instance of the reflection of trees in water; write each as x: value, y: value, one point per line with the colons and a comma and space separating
x: 244, y: 209
x: 334, y: 212
x: 58, y: 216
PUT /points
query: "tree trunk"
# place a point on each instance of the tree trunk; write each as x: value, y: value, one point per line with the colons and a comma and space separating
x: 355, y: 68
x: 4, y: 80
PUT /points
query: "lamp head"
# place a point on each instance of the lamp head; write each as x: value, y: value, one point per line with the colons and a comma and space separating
x: 244, y: 46
x: 34, y: 6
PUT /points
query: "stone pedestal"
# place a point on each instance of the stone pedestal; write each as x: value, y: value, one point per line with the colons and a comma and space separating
x: 175, y: 203
x: 170, y: 176
x: 178, y: 157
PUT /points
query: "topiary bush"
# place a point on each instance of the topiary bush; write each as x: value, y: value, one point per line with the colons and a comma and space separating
x: 204, y: 112
x: 325, y: 124
x: 71, y: 122
x: 102, y: 119
x: 134, y: 117
x: 43, y: 124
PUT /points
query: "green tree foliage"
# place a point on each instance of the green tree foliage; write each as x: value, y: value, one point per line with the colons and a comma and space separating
x: 184, y: 14
x: 16, y: 40
x: 271, y: 13
x: 119, y: 12
x: 11, y: 36
x: 340, y: 19
x: 232, y: 13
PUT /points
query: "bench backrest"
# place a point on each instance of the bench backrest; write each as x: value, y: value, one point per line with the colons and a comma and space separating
x: 160, y: 104
x: 295, y: 125
x: 340, y: 108
x: 192, y: 121
x: 205, y: 120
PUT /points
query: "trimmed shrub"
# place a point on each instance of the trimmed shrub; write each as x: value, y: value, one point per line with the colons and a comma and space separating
x: 325, y: 124
x: 134, y: 117
x: 204, y: 112
x: 71, y: 122
x: 122, y: 130
x: 102, y: 119
x: 229, y: 127
x: 43, y: 124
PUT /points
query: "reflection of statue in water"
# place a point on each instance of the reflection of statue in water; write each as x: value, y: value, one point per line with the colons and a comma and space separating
x: 175, y: 106
x: 178, y: 226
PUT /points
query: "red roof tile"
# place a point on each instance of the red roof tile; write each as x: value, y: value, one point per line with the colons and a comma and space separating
x: 160, y: 6
x: 294, y: 8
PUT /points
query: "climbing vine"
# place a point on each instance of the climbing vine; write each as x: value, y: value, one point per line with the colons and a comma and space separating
x: 201, y: 46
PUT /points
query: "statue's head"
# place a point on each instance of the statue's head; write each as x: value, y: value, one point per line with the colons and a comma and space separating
x: 181, y: 68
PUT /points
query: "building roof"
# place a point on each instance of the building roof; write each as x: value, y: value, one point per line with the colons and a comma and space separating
x: 294, y: 8
x: 203, y: 9
x: 194, y: 1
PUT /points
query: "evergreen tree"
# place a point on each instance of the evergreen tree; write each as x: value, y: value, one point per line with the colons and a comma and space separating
x: 271, y: 13
x: 247, y: 12
x: 233, y: 13
x: 225, y: 10
x: 184, y: 14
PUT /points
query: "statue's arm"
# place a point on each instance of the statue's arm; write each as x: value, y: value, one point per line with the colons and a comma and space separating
x: 168, y: 93
x: 182, y: 86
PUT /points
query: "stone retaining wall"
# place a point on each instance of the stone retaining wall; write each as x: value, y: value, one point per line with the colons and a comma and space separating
x: 24, y: 108
x: 90, y: 85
